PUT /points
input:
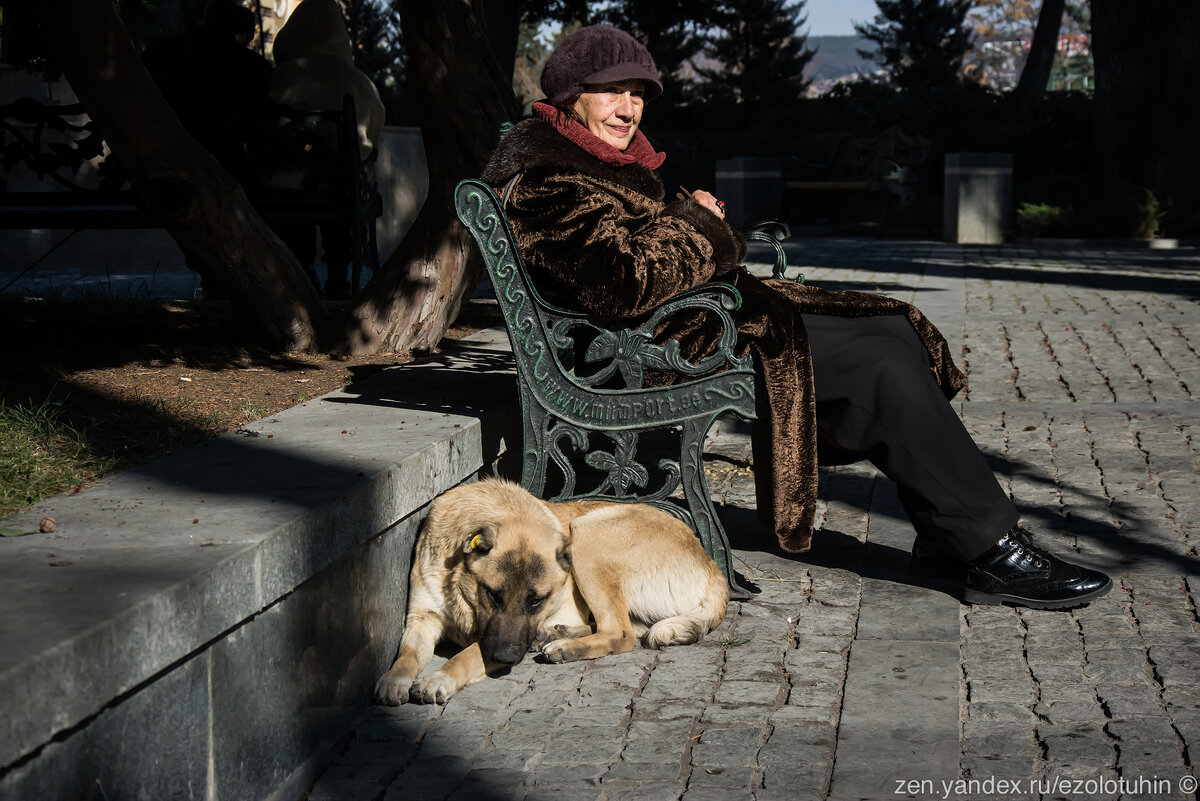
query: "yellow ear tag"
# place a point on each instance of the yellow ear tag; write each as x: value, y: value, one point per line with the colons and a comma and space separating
x: 474, y: 543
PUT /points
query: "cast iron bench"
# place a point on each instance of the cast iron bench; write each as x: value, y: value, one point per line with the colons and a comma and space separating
x: 891, y: 164
x: 582, y: 393
x: 59, y: 143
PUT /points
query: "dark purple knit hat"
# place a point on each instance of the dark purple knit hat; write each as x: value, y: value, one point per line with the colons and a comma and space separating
x: 597, y: 54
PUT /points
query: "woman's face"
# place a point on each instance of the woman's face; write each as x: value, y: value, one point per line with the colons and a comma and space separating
x: 612, y: 111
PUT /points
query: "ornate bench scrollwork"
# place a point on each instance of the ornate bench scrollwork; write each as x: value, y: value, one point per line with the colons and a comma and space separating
x: 596, y: 404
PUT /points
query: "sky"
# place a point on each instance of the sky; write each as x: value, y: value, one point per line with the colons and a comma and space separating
x: 837, y: 17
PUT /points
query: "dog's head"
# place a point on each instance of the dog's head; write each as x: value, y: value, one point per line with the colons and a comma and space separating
x: 511, y: 562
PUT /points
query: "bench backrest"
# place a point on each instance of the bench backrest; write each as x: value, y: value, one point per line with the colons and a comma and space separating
x: 597, y: 403
x: 546, y: 339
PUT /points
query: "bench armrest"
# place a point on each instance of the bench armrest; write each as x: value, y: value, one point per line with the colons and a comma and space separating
x: 774, y: 233
x: 631, y: 351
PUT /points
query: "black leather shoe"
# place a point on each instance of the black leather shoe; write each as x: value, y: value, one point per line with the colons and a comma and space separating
x: 1015, y: 571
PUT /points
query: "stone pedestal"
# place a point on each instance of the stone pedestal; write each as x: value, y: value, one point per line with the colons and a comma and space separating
x: 979, y: 197
x: 751, y: 189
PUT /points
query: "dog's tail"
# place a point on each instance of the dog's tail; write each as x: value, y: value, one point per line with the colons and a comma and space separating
x: 691, y: 626
x: 677, y: 630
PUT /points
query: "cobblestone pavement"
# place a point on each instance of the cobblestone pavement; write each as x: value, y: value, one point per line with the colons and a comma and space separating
x: 848, y: 678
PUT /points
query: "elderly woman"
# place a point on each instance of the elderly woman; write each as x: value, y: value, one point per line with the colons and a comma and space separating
x: 847, y: 375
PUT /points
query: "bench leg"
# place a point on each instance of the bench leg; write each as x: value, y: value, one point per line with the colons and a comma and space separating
x: 542, y: 442
x: 533, y: 459
x: 704, y: 516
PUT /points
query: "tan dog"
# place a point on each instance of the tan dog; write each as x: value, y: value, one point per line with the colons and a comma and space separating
x: 498, y: 571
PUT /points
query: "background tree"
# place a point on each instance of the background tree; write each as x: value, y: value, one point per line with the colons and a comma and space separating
x: 1000, y: 31
x: 1073, y: 69
x: 411, y: 300
x: 200, y: 205
x: 1003, y: 34
x: 378, y: 46
x: 1036, y: 73
x: 1147, y: 113
x: 26, y: 36
x: 919, y: 42
x: 535, y: 45
x: 514, y: 25
x: 419, y: 290
x: 758, y: 57
x: 672, y: 31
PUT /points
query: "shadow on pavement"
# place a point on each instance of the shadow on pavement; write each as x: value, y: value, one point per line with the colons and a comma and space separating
x: 1167, y: 272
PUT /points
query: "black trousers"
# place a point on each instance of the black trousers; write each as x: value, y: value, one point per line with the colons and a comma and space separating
x: 877, y: 399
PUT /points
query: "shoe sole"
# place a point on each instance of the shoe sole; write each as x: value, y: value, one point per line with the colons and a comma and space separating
x: 994, y: 598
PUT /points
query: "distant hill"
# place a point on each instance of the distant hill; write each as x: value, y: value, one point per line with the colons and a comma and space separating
x: 837, y: 57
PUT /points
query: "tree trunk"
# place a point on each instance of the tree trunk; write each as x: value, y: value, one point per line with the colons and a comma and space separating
x: 503, y: 21
x: 200, y: 205
x: 1147, y: 112
x: 1036, y: 72
x: 463, y: 98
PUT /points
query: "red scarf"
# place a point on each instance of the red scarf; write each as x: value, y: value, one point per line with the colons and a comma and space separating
x: 640, y: 151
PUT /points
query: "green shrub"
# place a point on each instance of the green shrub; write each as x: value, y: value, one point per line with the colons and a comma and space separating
x: 1144, y: 213
x: 1127, y: 212
x: 1042, y: 219
x: 1084, y: 210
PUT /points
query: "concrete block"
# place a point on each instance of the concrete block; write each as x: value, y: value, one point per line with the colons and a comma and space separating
x: 978, y: 197
x: 117, y: 755
x: 282, y: 551
x: 752, y: 189
x: 291, y: 680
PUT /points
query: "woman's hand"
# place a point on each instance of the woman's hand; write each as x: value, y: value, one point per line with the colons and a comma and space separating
x: 706, y: 200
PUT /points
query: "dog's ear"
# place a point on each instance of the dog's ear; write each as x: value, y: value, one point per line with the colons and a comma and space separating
x: 564, y: 556
x: 480, y: 542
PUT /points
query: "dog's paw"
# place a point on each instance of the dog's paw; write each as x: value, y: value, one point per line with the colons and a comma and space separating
x: 561, y: 651
x: 392, y: 689
x: 560, y: 631
x: 436, y: 689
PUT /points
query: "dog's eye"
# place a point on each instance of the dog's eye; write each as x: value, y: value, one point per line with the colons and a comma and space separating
x: 494, y: 596
x: 535, y: 602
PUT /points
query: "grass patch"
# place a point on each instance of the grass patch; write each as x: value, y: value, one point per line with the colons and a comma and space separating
x: 91, y: 387
x: 42, y: 454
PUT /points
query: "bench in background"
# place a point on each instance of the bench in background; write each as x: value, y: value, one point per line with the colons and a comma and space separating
x: 893, y: 166
x: 87, y: 189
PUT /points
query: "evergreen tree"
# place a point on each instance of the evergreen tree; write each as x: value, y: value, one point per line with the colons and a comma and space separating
x: 919, y: 42
x: 374, y: 28
x: 670, y: 30
x: 758, y: 57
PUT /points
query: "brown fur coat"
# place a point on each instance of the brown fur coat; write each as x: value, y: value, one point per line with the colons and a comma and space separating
x: 602, y: 240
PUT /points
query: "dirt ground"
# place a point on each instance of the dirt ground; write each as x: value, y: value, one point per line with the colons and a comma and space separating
x: 140, y: 379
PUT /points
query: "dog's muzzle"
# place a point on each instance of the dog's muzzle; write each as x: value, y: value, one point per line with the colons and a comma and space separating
x: 509, y: 654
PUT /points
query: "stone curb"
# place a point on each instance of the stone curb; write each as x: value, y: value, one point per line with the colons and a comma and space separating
x: 151, y: 566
